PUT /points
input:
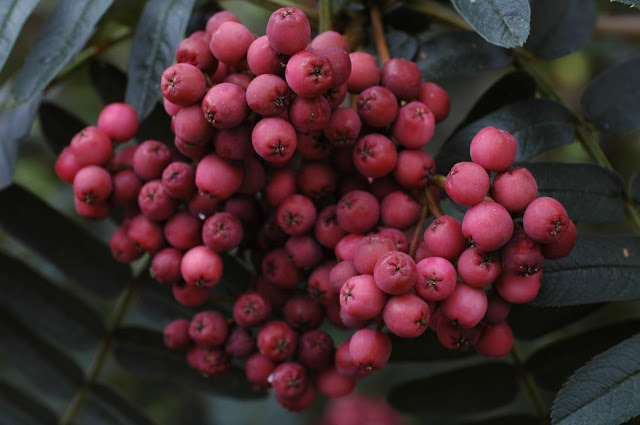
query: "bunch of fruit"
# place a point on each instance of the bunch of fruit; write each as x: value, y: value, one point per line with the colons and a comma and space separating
x: 328, y: 201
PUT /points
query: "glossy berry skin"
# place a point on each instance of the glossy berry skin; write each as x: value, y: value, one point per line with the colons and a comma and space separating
x: 370, y: 348
x: 274, y: 139
x: 467, y: 183
x: 251, y: 309
x: 406, y: 315
x: 488, y: 225
x: 225, y: 106
x: 477, y: 268
x: 545, y: 220
x: 395, y: 272
x: 230, y: 42
x: 209, y: 328
x: 377, y: 106
x: 466, y: 305
x: 493, y: 149
x: 414, y: 125
x: 277, y: 340
x: 309, y: 74
x: 119, y: 121
x: 92, y: 185
x: 183, y: 84
x: 435, y: 278
x: 515, y: 189
x: 444, y: 238
x: 374, y: 155
x: 436, y: 98
x: 495, y: 340
x: 91, y: 146
x: 218, y: 178
x: 288, y: 30
x: 361, y: 298
x: 201, y: 267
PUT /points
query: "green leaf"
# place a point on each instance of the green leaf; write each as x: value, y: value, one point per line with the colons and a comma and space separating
x: 77, y: 253
x: 64, y: 33
x: 528, y: 322
x: 18, y: 407
x: 13, y: 15
x: 559, y: 28
x: 423, y: 349
x: 401, y: 44
x: 599, y: 268
x: 51, y: 370
x: 104, y: 406
x: 142, y: 352
x: 632, y: 3
x: 537, y: 124
x: 15, y: 123
x: 508, y: 420
x: 554, y: 363
x: 612, y: 99
x: 58, y: 125
x: 467, y: 390
x: 110, y: 82
x: 57, y: 314
x: 603, y: 391
x: 458, y: 53
x: 510, y: 88
x: 634, y: 187
x: 159, y: 31
x: 504, y: 23
x: 588, y: 192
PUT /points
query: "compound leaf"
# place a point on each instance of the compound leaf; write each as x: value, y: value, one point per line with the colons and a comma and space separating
x: 560, y: 27
x: 554, y: 363
x: 51, y: 370
x: 588, y: 192
x: 612, y: 99
x: 603, y: 391
x: 600, y: 268
x: 504, y: 23
x: 12, y: 17
x: 57, y: 314
x: 18, y: 407
x: 141, y: 352
x: 58, y: 125
x: 158, y: 33
x: 458, y: 53
x: 78, y: 254
x: 104, y: 406
x: 537, y: 124
x: 64, y: 33
x: 15, y: 123
x: 482, y: 387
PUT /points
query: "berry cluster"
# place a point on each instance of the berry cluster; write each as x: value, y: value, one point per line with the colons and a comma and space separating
x: 327, y: 201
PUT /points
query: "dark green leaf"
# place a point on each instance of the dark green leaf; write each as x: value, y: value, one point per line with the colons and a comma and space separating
x: 634, y: 187
x: 159, y: 31
x: 401, y: 44
x: 15, y: 124
x: 401, y: 15
x: 588, y: 192
x: 51, y: 370
x: 156, y: 302
x: 64, y: 33
x: 482, y: 387
x: 423, y: 349
x: 58, y: 125
x: 501, y: 22
x: 156, y: 126
x: 554, y: 363
x: 18, y: 407
x: 603, y: 391
x: 141, y: 352
x: 78, y: 254
x: 537, y: 124
x: 612, y: 99
x: 109, y: 81
x: 105, y: 406
x: 560, y: 27
x: 57, y: 314
x: 458, y: 53
x: 632, y: 3
x: 508, y: 420
x: 512, y: 87
x: 528, y: 322
x: 600, y: 268
x: 13, y: 15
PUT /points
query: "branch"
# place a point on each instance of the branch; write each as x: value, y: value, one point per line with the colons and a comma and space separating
x: 378, y: 32
x: 529, y: 385
x: 625, y: 25
x: 324, y: 23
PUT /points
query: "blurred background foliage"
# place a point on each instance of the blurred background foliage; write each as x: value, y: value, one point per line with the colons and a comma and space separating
x: 75, y: 92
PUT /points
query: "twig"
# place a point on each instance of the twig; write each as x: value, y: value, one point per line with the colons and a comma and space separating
x: 324, y: 23
x: 529, y: 385
x: 625, y: 25
x: 378, y: 32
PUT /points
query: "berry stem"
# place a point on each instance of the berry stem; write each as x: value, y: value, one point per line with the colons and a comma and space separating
x: 418, y: 231
x: 626, y: 25
x: 438, y: 180
x: 378, y: 31
x: 529, y: 385
x: 324, y: 23
x: 433, y: 206
x: 115, y: 319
